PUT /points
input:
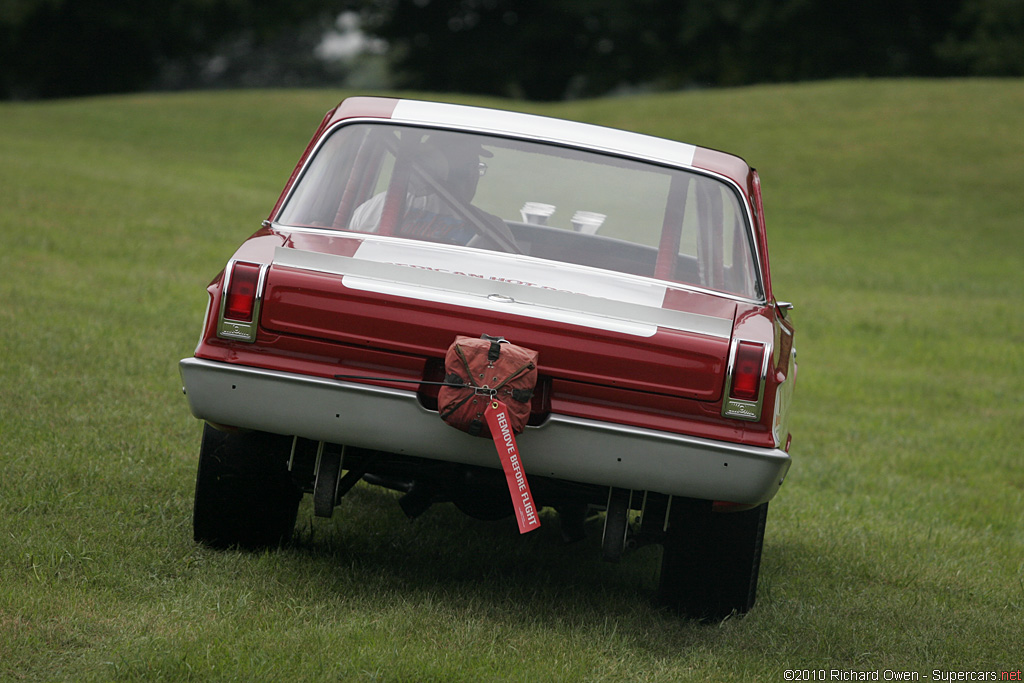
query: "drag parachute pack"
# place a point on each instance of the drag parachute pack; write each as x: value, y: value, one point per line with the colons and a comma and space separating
x: 479, y: 370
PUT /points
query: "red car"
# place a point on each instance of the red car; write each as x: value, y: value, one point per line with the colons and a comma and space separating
x: 634, y: 270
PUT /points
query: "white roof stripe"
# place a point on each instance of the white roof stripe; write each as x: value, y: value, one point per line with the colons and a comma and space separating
x: 500, y: 122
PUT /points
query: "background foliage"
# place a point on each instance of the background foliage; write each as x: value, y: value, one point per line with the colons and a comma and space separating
x: 535, y: 49
x: 57, y: 48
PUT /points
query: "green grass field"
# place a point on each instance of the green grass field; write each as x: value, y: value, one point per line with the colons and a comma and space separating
x: 895, y: 213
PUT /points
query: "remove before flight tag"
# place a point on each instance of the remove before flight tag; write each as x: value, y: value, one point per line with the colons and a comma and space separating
x: 496, y: 415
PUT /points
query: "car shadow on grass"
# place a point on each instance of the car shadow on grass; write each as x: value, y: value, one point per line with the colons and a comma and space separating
x: 473, y: 566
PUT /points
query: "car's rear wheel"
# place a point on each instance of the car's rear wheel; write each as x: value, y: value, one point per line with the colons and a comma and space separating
x: 616, y: 524
x: 244, y: 494
x: 710, y: 561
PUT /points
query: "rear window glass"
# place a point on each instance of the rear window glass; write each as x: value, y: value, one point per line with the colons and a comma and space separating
x: 540, y: 200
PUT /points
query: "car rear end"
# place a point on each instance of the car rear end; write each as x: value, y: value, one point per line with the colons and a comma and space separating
x: 665, y: 367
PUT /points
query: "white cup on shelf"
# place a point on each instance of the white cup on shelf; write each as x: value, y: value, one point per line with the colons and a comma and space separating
x: 587, y: 222
x: 537, y: 213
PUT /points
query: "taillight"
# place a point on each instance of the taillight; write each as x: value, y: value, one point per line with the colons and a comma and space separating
x: 241, y: 294
x: 240, y: 302
x: 746, y: 379
x: 746, y: 372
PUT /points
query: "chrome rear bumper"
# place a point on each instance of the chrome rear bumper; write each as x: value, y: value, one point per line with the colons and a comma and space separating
x: 563, y: 447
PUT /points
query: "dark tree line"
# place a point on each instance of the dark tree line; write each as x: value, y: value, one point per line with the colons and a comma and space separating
x: 538, y: 49
x: 541, y: 49
x: 58, y: 48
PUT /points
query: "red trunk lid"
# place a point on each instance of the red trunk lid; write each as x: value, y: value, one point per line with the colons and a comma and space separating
x: 588, y: 325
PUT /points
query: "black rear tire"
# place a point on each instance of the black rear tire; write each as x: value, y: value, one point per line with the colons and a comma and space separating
x: 244, y: 494
x: 710, y: 561
x: 616, y: 524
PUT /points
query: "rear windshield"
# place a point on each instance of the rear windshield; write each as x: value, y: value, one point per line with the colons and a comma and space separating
x: 541, y: 200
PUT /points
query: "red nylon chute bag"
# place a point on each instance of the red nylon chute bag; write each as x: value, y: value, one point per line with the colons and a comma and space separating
x: 477, y: 370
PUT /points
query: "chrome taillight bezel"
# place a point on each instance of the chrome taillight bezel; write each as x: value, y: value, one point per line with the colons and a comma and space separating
x: 740, y: 409
x: 240, y: 330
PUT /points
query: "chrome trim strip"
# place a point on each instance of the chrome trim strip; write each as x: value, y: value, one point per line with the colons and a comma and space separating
x: 563, y: 447
x: 535, y: 302
x: 783, y: 401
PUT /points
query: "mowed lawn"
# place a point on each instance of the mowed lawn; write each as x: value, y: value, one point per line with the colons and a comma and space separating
x: 896, y: 223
